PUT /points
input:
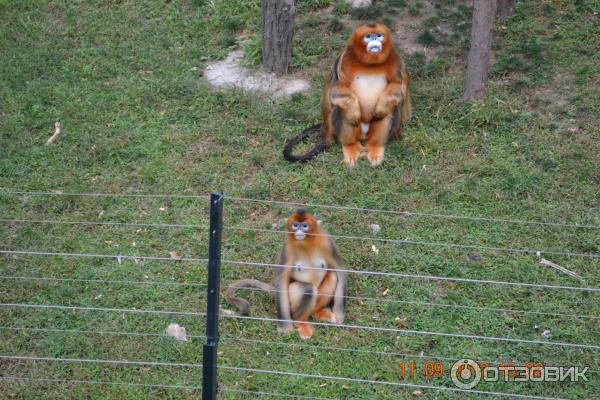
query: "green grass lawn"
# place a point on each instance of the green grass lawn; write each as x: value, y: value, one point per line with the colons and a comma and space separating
x: 123, y: 78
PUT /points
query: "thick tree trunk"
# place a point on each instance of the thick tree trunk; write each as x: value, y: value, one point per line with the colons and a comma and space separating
x: 478, y: 61
x: 505, y: 8
x: 278, y: 32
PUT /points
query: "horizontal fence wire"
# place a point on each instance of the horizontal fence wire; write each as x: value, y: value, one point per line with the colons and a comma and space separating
x: 99, y: 361
x: 103, y: 309
x: 345, y: 326
x: 433, y: 244
x: 300, y: 204
x: 236, y: 338
x: 374, y: 352
x: 272, y: 372
x: 91, y: 255
x: 425, y: 277
x: 103, y: 281
x: 95, y: 332
x: 152, y: 385
x: 386, y: 383
x: 101, y: 223
x: 270, y: 265
x: 346, y: 237
x: 414, y: 213
x: 423, y: 332
x: 91, y: 382
x: 426, y: 304
x: 79, y: 194
x: 357, y: 298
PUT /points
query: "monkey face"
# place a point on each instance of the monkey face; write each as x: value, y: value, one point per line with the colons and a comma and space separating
x: 300, y: 229
x: 301, y: 225
x: 371, y: 43
x: 374, y: 42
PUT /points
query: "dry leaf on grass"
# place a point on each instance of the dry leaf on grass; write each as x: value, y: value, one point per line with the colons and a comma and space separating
x: 57, y: 131
x: 177, y: 331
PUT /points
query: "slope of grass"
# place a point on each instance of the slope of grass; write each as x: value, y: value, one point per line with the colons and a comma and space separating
x: 123, y: 79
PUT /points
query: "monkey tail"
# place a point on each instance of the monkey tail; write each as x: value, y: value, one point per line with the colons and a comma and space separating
x: 406, y: 111
x: 312, y: 153
x: 242, y: 304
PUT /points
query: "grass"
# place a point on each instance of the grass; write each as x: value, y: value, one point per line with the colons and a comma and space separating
x: 122, y: 77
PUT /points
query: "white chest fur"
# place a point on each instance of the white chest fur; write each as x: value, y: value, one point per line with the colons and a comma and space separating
x: 309, y: 269
x: 368, y: 88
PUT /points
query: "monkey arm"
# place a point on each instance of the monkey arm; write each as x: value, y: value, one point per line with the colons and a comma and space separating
x: 340, y: 95
x: 283, y: 299
x: 339, y: 298
x: 389, y: 100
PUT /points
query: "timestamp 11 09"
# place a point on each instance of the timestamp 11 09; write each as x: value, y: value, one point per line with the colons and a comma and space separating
x: 428, y: 369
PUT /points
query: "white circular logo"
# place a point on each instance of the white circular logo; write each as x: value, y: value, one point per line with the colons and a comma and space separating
x: 465, y: 373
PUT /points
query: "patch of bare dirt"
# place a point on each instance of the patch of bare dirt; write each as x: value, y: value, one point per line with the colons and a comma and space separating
x: 407, y: 28
x: 552, y: 98
x: 230, y: 73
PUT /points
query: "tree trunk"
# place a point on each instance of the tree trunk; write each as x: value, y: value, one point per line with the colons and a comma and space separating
x: 505, y: 8
x: 278, y: 32
x: 478, y: 61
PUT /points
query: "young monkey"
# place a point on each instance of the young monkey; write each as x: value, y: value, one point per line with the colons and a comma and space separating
x: 309, y: 282
x: 365, y: 98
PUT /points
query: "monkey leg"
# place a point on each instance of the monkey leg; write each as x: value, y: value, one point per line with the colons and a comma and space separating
x: 349, y: 136
x: 325, y: 297
x: 303, y: 297
x: 379, y: 132
x: 346, y: 133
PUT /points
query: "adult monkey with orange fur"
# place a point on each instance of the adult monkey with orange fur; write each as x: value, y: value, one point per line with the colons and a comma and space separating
x: 309, y: 282
x: 366, y: 97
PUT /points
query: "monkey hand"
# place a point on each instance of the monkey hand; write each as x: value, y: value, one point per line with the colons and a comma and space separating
x: 384, y: 107
x: 337, y: 318
x: 285, y: 327
x: 352, y: 113
x: 347, y: 102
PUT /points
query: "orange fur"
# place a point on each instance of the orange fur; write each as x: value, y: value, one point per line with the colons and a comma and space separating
x: 315, y: 237
x: 309, y: 283
x: 349, y: 103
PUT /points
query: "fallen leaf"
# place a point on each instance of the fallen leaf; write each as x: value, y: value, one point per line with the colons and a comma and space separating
x: 57, y: 130
x: 174, y: 255
x: 177, y: 331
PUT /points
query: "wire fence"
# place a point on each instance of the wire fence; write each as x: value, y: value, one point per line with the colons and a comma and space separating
x: 19, y: 358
